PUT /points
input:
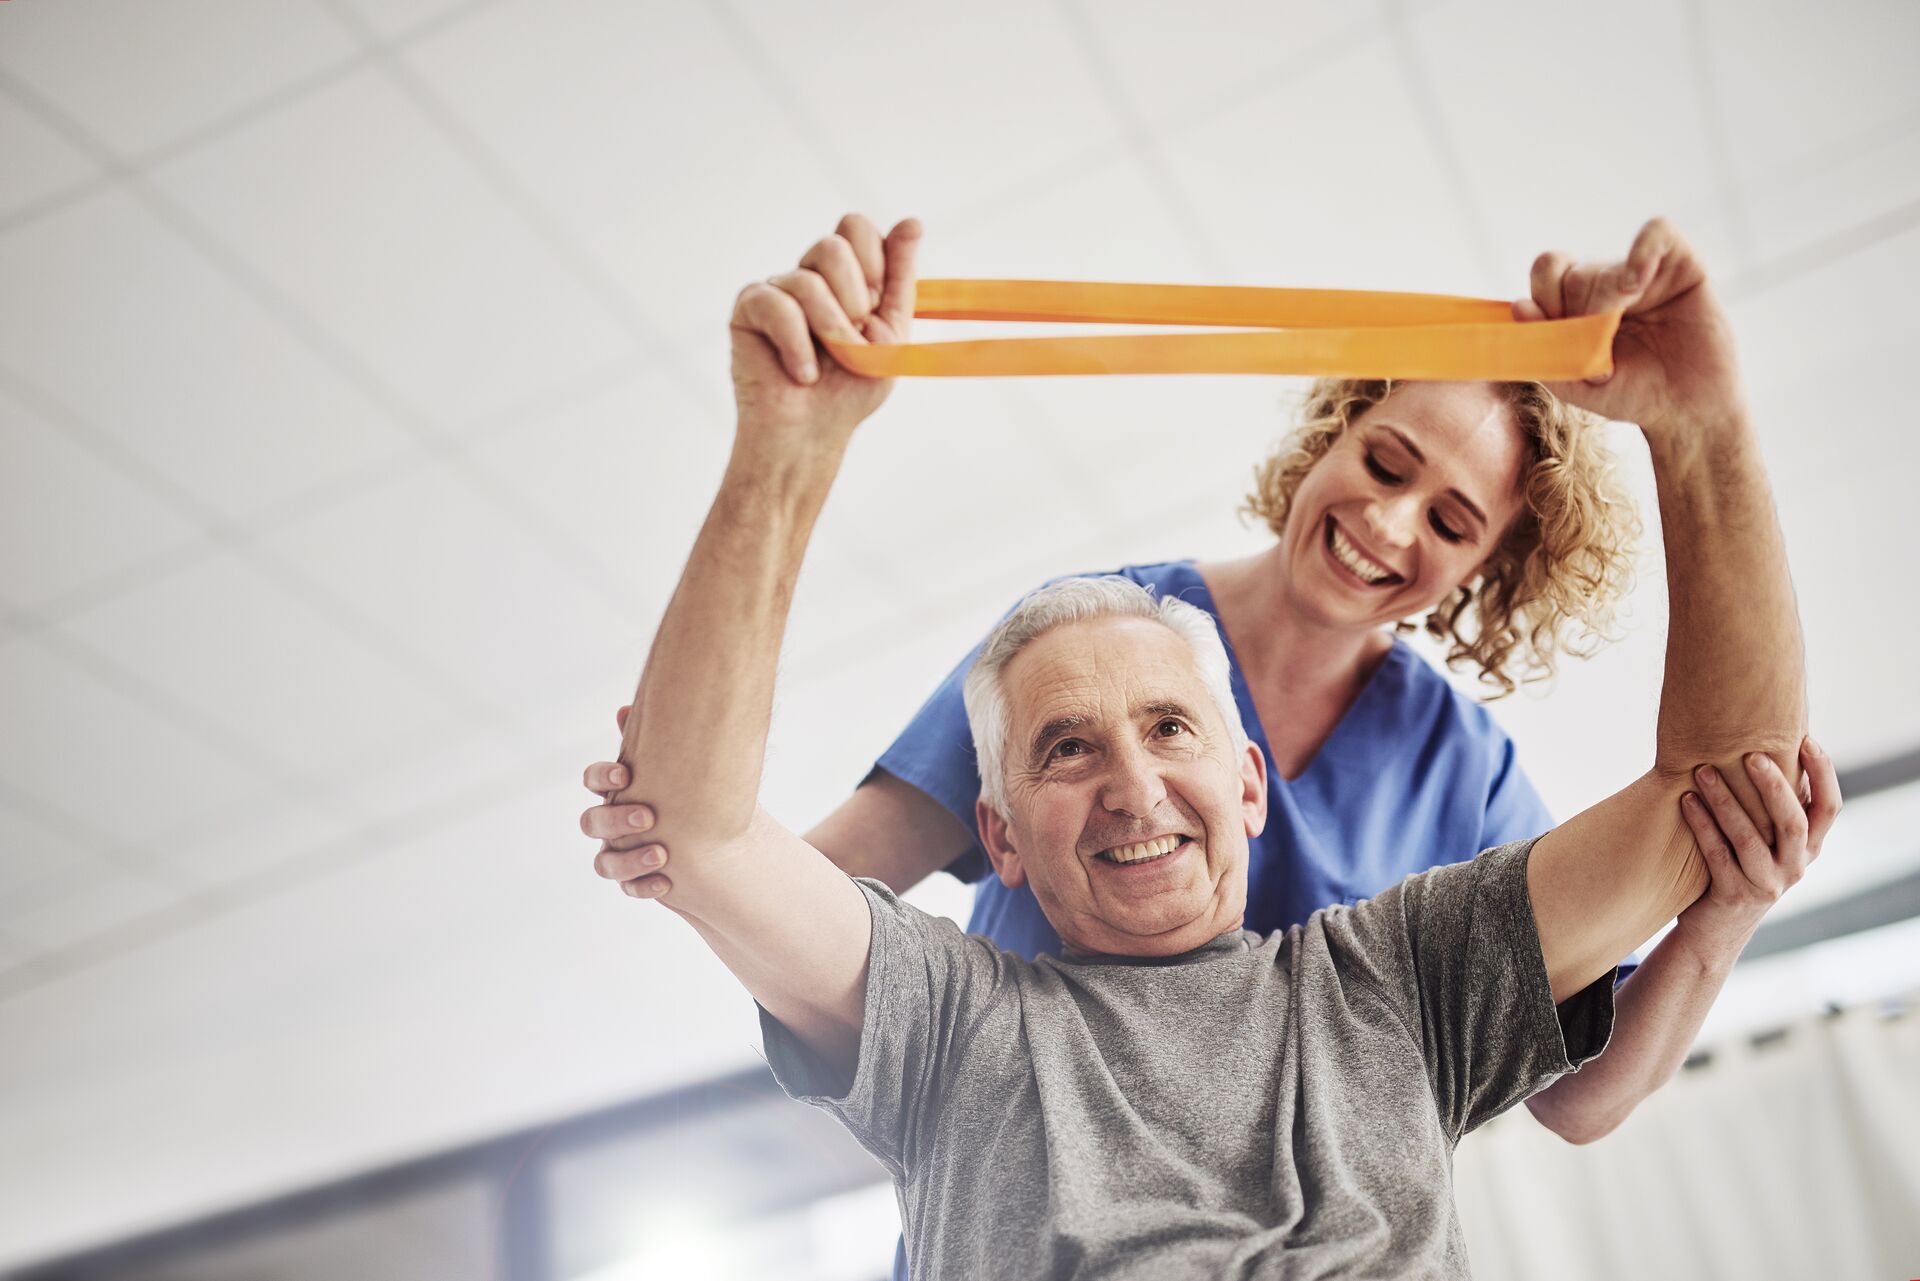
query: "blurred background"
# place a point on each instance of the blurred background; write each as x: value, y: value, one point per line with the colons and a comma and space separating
x: 362, y: 385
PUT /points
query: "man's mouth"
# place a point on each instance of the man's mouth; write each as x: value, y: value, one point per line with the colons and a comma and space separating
x: 1160, y: 847
x: 1356, y: 562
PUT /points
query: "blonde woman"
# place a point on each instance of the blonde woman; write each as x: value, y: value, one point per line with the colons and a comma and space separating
x: 1483, y: 512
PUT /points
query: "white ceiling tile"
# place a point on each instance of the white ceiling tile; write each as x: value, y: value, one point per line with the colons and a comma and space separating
x: 35, y: 861
x: 257, y: 835
x: 499, y: 612
x: 640, y: 148
x: 999, y: 93
x: 67, y: 518
x: 1846, y: 186
x: 261, y: 662
x: 399, y: 19
x: 423, y: 276
x: 114, y: 316
x: 39, y: 162
x: 439, y: 767
x: 88, y: 911
x: 1299, y: 192
x: 139, y: 75
x: 1629, y: 156
x: 1793, y: 80
x: 630, y: 471
x: 93, y: 753
x: 1176, y: 63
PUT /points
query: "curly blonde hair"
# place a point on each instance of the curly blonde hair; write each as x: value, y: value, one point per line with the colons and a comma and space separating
x: 1557, y: 576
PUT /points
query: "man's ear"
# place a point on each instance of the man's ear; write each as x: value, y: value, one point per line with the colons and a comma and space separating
x: 996, y: 837
x: 1253, y: 788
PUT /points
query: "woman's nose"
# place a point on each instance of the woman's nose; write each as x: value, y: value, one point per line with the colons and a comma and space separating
x: 1394, y: 521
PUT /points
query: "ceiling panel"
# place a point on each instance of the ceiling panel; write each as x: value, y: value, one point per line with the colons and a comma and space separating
x: 139, y: 75
x: 263, y: 663
x: 499, y: 614
x: 1298, y: 192
x: 124, y: 324
x: 421, y: 277
x: 674, y: 211
x: 39, y: 161
x: 96, y: 754
x: 88, y: 911
x: 1572, y: 170
x: 67, y: 520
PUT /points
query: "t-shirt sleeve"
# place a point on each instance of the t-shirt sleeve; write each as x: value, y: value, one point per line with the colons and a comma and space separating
x: 935, y: 754
x: 927, y: 986
x: 1458, y: 950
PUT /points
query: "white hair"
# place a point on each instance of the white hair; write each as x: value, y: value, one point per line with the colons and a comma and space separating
x: 1078, y: 600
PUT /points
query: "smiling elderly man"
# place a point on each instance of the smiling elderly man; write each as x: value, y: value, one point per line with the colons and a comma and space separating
x: 1174, y: 1097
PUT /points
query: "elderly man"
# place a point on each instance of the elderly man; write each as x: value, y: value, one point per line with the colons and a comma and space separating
x: 1174, y: 1097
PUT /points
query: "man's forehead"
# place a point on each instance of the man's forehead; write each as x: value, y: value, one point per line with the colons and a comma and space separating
x: 1107, y: 666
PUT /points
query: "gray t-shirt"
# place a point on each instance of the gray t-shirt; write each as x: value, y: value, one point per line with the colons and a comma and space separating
x: 1277, y: 1107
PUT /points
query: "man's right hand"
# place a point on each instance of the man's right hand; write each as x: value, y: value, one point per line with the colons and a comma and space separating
x: 850, y: 287
x: 637, y: 870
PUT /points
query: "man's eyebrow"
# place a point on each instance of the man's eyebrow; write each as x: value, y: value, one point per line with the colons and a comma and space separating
x: 1419, y: 457
x: 1164, y: 707
x: 1053, y: 729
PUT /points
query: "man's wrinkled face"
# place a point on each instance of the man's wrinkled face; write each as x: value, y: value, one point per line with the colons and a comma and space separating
x: 1129, y: 805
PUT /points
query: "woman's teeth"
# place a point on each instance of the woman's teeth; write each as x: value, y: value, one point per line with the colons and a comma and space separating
x: 1356, y: 560
x: 1142, y: 849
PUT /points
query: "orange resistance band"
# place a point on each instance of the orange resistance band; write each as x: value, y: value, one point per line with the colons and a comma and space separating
x: 1346, y: 333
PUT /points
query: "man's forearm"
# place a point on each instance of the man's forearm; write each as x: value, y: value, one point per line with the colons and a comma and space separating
x: 697, y: 733
x: 1658, y: 1013
x: 1735, y: 679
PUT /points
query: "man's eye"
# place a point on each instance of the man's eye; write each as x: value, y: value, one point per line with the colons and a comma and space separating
x: 1168, y: 728
x: 1380, y: 473
x: 1067, y: 747
x: 1445, y: 530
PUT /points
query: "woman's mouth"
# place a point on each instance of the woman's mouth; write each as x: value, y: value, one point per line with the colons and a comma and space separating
x: 1360, y: 566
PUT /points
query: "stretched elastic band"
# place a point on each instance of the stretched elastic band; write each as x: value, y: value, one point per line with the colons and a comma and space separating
x: 1340, y: 332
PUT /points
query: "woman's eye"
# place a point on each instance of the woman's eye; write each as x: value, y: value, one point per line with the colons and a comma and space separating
x: 1380, y: 473
x: 1445, y: 530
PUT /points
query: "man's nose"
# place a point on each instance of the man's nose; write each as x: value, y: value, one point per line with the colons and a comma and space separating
x: 1394, y: 521
x: 1133, y: 785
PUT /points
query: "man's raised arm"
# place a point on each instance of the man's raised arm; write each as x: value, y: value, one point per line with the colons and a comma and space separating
x: 1604, y: 881
x: 790, y: 926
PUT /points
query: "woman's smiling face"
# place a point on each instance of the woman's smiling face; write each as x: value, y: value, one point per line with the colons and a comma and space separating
x: 1406, y: 505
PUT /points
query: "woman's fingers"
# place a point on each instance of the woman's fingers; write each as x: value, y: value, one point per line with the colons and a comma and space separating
x: 1823, y: 783
x: 620, y: 717
x: 1749, y: 846
x: 603, y: 777
x: 1709, y: 838
x: 646, y: 886
x: 1784, y: 810
x: 624, y: 865
x: 617, y: 822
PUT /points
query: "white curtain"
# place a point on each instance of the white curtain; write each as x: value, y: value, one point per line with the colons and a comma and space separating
x: 1791, y: 1156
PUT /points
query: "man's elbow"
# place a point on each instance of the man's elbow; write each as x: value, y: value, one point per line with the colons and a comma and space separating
x: 1573, y: 1125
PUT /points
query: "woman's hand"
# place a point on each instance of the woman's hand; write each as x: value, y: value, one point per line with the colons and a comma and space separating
x: 851, y: 286
x: 1673, y: 358
x: 625, y: 854
x: 1754, y: 859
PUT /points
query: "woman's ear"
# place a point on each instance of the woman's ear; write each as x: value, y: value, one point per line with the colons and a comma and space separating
x: 996, y: 837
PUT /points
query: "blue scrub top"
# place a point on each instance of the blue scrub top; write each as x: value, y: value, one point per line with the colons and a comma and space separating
x: 1415, y: 775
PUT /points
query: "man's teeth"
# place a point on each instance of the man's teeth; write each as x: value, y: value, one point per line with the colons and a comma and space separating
x: 1355, y: 560
x: 1144, y: 849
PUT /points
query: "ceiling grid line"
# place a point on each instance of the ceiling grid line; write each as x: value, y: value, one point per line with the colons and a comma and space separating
x: 1733, y: 207
x: 519, y: 201
x: 1143, y: 142
x: 1427, y: 105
